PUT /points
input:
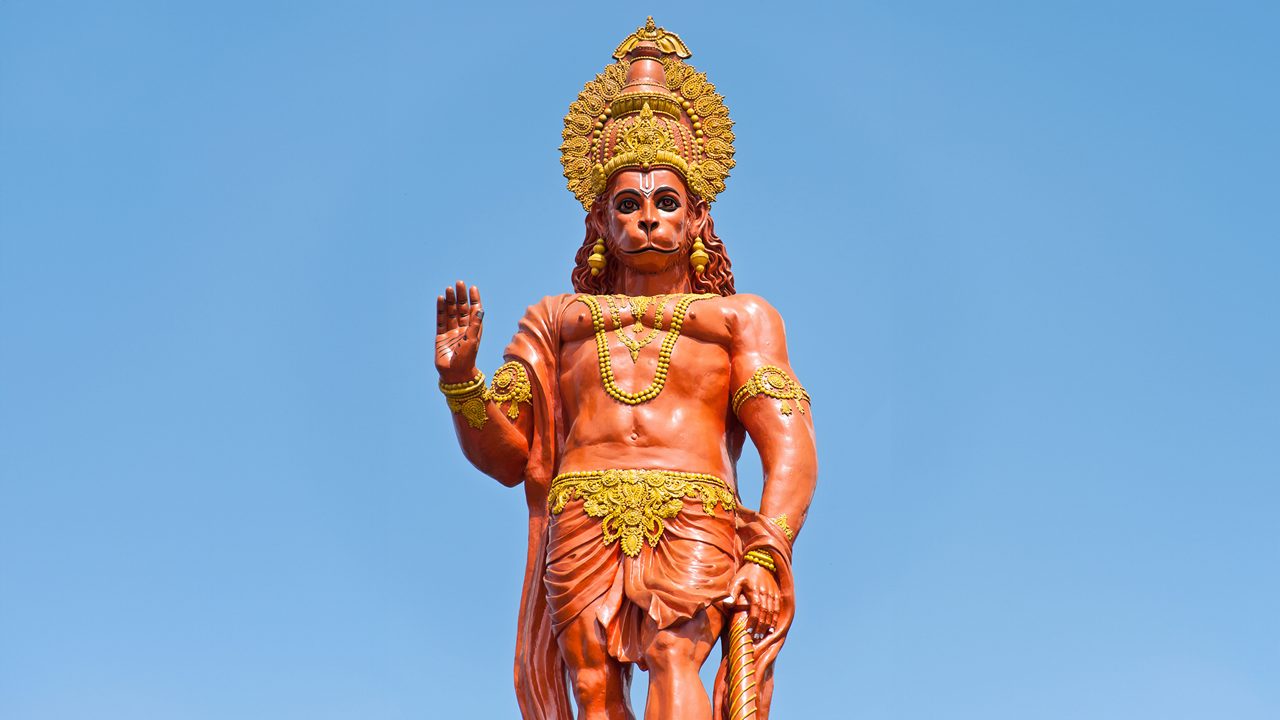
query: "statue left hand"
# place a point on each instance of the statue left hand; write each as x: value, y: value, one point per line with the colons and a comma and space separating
x: 755, y: 590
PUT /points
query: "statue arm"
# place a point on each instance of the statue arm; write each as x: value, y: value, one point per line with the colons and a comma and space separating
x: 498, y: 445
x: 494, y: 425
x: 775, y: 410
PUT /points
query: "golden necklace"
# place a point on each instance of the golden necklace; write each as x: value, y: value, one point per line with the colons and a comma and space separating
x: 664, y: 351
x: 639, y: 305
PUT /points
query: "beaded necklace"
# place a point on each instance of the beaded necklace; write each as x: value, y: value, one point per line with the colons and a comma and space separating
x: 664, y: 352
x: 639, y: 305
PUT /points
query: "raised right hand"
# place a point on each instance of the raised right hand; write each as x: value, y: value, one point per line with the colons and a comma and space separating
x: 459, y: 322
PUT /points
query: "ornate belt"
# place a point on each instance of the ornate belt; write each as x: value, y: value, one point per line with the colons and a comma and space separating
x: 633, y: 503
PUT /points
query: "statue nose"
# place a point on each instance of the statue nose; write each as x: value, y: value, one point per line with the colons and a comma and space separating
x: 648, y: 226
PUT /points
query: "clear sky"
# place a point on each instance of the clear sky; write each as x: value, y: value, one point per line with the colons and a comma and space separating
x: 1027, y: 255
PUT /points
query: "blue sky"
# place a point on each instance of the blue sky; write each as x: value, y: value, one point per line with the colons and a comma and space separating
x: 1027, y: 255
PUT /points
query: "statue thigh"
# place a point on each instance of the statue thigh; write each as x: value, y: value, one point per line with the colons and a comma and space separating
x: 601, y: 684
x: 596, y: 674
x: 683, y: 647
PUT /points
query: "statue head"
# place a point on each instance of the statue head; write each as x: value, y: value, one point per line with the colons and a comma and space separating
x: 647, y: 147
x: 648, y: 221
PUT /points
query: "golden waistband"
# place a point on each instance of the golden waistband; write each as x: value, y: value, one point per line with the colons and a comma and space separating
x: 633, y: 503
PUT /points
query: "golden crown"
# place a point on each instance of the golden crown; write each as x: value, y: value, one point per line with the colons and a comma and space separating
x: 649, y: 108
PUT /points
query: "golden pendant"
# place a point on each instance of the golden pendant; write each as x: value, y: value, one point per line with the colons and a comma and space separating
x: 639, y: 305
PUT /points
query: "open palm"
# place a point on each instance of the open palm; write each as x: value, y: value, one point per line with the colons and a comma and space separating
x: 459, y: 323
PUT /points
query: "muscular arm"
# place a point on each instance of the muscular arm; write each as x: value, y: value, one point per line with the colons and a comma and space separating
x: 494, y: 441
x: 781, y: 429
x: 498, y: 448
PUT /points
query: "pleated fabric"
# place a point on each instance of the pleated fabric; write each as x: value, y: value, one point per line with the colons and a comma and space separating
x: 691, y: 567
x: 541, y: 678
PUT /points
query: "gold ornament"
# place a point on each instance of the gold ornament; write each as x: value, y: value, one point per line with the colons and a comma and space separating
x: 467, y: 399
x: 667, y: 115
x: 667, y: 42
x: 664, y: 352
x: 761, y: 558
x: 638, y: 307
x: 467, y: 386
x: 781, y: 521
x: 510, y: 384
x: 596, y: 259
x: 633, y: 503
x: 741, y: 678
x: 712, y: 127
x: 774, y: 382
x: 581, y: 134
x: 646, y: 142
x: 699, y: 257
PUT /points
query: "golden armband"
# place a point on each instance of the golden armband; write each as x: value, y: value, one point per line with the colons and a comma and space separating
x: 776, y: 383
x: 781, y: 522
x: 467, y: 398
x: 510, y: 385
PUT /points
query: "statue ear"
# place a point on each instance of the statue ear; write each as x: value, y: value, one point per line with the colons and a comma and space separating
x: 698, y: 214
x: 596, y: 220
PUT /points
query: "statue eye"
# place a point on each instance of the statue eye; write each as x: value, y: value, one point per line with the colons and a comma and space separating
x: 668, y: 203
x: 627, y: 205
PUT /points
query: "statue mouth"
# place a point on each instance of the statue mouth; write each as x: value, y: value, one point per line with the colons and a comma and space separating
x: 650, y: 248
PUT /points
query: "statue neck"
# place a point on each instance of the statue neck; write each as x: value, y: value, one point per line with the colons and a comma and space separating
x: 671, y: 281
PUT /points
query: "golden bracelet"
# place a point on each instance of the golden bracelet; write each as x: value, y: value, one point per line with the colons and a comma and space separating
x: 463, y: 388
x: 776, y: 383
x: 761, y: 558
x: 467, y: 399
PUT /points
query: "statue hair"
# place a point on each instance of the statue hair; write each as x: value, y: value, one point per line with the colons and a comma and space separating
x: 716, y: 279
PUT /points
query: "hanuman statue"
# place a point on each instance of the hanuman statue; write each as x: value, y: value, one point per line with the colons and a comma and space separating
x: 623, y: 406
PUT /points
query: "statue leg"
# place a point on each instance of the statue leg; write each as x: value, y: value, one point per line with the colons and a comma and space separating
x: 601, y: 684
x: 674, y: 657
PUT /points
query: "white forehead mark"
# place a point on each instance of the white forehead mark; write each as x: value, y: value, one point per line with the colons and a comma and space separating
x: 646, y: 183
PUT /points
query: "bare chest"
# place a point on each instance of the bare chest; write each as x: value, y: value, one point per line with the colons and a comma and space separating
x: 639, y: 322
x: 653, y: 353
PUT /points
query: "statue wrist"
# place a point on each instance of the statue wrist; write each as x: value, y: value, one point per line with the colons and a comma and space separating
x: 467, y: 398
x: 459, y: 376
x: 762, y: 558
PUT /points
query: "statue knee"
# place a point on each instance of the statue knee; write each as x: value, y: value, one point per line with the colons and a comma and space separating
x: 669, y: 651
x: 590, y: 682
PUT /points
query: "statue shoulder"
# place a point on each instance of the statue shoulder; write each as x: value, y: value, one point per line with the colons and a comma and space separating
x: 754, y: 325
x: 539, y: 332
x: 750, y: 312
x: 550, y: 306
x: 544, y: 316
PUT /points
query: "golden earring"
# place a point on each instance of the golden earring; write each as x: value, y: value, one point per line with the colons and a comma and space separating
x: 699, y: 257
x: 596, y: 260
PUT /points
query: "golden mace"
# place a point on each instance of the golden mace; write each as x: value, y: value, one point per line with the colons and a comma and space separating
x: 742, y: 670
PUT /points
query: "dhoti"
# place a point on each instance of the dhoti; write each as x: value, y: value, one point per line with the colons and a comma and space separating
x: 644, y: 544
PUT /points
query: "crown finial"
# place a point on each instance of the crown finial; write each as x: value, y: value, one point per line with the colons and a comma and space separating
x: 668, y: 43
